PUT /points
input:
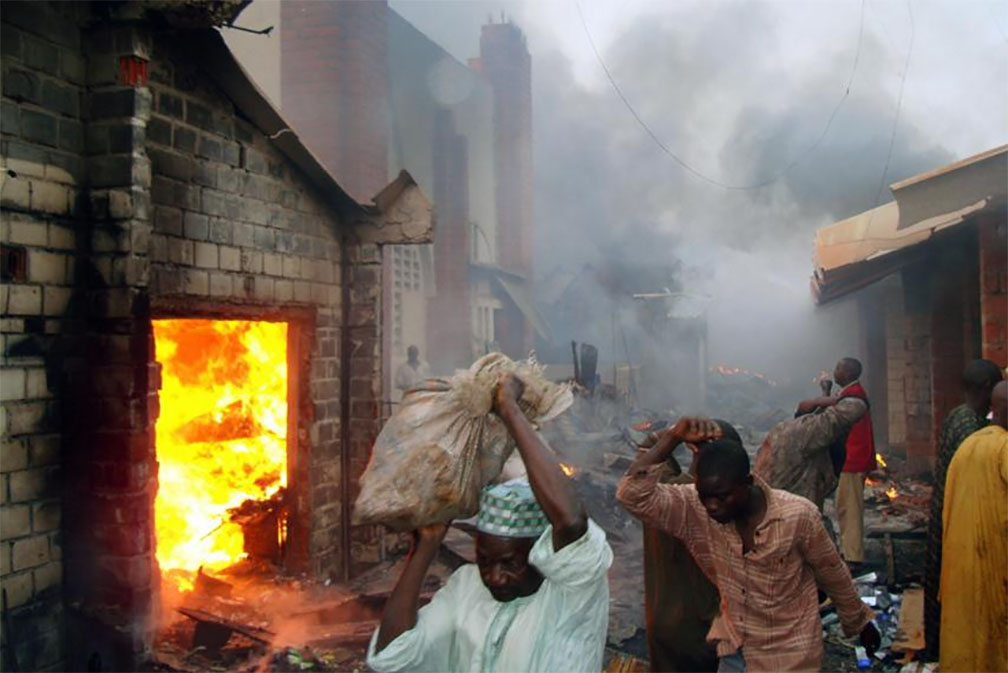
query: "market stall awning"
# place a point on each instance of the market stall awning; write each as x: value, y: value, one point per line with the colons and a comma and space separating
x: 519, y: 294
x: 858, y: 251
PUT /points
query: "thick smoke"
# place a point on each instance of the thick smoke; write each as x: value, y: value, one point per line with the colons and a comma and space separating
x: 739, y: 91
x: 606, y: 192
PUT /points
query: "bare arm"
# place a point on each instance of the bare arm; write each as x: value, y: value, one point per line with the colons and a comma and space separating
x: 400, y: 612
x: 554, y: 491
x: 690, y: 430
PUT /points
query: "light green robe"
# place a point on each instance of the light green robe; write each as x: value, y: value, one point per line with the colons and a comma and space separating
x: 561, y: 627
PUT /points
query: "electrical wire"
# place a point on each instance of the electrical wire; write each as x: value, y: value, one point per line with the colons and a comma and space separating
x: 899, y: 107
x: 685, y: 165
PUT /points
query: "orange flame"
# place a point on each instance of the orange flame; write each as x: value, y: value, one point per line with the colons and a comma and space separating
x: 221, y: 434
x: 872, y: 482
x: 892, y: 492
x: 569, y: 470
x: 725, y: 370
x: 880, y: 461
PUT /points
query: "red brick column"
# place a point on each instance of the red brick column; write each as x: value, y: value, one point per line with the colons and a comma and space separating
x: 334, y: 87
x: 994, y: 288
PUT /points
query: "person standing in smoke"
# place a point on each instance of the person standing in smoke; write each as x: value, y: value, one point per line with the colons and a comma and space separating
x: 860, y: 460
x: 411, y: 372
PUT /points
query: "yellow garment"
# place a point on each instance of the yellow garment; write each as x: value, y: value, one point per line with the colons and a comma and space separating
x: 974, y: 573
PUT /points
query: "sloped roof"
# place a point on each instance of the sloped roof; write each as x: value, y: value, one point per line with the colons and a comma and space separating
x: 860, y: 250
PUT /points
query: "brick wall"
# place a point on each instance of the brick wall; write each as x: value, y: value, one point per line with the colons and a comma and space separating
x: 953, y: 265
x: 895, y: 321
x: 449, y: 324
x: 132, y: 203
x: 917, y: 281
x: 42, y: 174
x: 994, y: 287
x: 505, y: 62
x: 334, y: 87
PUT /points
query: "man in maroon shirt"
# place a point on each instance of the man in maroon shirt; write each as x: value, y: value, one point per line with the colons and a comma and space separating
x: 860, y: 461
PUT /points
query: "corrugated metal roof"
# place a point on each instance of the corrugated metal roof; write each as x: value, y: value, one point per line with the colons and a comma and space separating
x: 860, y: 250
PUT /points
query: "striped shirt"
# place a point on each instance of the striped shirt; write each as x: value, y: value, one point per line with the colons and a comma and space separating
x: 769, y: 605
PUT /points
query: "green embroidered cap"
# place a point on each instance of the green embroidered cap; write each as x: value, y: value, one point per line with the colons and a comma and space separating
x: 510, y: 510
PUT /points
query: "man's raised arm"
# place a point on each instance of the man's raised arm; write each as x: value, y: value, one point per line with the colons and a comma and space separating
x: 664, y: 506
x: 554, y: 491
x: 817, y: 431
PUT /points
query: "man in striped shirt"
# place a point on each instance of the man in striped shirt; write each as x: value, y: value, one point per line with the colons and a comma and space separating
x: 765, y: 549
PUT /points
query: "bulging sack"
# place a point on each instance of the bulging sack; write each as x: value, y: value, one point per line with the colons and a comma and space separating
x: 444, y: 444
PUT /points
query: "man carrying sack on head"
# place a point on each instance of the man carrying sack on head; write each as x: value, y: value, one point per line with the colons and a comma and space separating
x: 537, y: 598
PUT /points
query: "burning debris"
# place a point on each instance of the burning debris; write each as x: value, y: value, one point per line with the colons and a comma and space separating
x: 750, y: 400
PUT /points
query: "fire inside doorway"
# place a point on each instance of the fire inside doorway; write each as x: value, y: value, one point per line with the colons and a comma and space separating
x: 221, y: 442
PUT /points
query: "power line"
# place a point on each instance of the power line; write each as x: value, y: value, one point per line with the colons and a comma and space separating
x: 899, y: 106
x: 686, y: 166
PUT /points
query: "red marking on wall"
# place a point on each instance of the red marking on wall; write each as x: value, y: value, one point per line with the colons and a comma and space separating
x: 132, y: 71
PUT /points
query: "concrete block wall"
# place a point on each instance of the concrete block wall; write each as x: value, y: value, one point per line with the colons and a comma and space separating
x: 235, y: 222
x: 129, y: 200
x: 41, y: 174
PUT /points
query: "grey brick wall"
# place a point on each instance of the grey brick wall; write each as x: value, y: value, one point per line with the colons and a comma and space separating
x: 41, y: 173
x: 234, y: 221
x: 122, y: 199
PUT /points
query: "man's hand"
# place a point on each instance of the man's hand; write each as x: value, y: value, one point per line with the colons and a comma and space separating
x: 694, y: 430
x: 434, y: 533
x: 509, y: 389
x: 826, y: 385
x: 871, y: 639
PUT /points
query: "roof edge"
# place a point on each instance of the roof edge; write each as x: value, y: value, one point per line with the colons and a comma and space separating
x: 225, y: 70
x: 949, y: 168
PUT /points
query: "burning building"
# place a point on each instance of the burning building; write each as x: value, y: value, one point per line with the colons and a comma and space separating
x: 191, y: 328
x: 929, y: 273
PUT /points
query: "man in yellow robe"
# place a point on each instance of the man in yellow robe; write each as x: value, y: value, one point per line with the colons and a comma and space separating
x: 974, y: 572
